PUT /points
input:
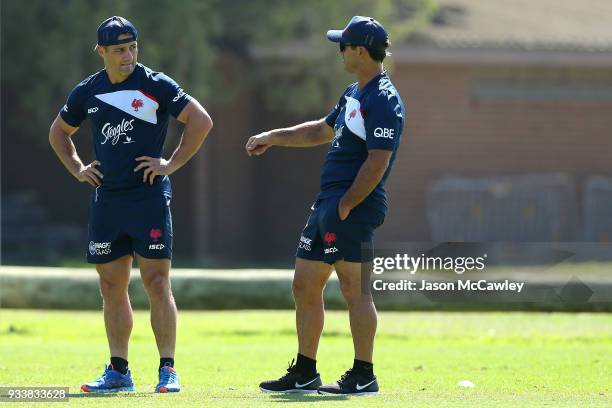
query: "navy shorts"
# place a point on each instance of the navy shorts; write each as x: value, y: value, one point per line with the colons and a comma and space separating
x: 326, y: 238
x: 119, y: 227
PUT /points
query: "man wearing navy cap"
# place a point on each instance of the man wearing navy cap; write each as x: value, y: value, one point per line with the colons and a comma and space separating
x: 364, y: 129
x: 128, y: 106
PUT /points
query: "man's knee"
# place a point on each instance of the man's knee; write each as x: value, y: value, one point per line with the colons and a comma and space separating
x: 112, y: 288
x: 115, y: 277
x: 307, y: 291
x: 309, y: 280
x: 352, y: 291
x: 157, y: 286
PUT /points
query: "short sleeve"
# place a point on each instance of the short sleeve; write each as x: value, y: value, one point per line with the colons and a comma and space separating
x: 383, y: 121
x: 333, y: 114
x: 173, y: 96
x: 73, y: 111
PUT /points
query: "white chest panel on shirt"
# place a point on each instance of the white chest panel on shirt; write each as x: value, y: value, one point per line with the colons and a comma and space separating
x: 134, y: 102
x: 353, y: 118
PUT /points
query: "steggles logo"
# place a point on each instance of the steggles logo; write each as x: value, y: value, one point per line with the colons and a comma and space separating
x: 114, y: 132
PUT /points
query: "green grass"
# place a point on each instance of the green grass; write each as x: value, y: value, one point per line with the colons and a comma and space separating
x: 515, y: 359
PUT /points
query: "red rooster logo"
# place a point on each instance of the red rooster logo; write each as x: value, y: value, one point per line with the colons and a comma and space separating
x: 155, y: 234
x: 137, y: 103
x: 329, y: 238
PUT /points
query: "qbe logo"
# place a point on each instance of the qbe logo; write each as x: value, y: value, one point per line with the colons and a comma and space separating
x: 384, y: 132
x: 99, y: 248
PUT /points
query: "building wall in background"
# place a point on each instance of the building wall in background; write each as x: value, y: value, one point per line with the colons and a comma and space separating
x: 462, y: 119
x: 485, y: 121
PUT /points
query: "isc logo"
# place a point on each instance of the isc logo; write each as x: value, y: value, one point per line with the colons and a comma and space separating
x: 92, y: 110
x: 384, y: 132
x: 156, y: 246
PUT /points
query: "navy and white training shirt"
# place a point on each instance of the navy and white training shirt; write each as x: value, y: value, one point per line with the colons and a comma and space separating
x: 128, y: 120
x: 364, y: 119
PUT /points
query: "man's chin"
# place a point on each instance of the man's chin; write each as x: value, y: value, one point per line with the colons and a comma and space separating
x: 127, y: 70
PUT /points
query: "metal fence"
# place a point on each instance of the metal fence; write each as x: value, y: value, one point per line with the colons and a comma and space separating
x: 540, y: 207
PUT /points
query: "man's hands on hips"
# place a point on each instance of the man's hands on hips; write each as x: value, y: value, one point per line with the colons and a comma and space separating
x: 153, y: 166
x: 258, y: 144
x: 89, y: 174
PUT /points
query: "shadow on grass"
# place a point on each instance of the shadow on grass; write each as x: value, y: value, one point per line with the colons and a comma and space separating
x: 295, y: 397
x: 109, y: 394
x: 266, y: 332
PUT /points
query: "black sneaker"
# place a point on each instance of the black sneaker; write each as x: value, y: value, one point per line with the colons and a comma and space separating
x: 352, y: 383
x: 293, y: 381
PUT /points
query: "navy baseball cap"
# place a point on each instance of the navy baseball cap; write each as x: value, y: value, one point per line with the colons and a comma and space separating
x: 112, y: 28
x: 364, y: 31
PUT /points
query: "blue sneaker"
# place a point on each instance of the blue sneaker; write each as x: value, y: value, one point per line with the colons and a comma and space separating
x: 110, y: 381
x: 168, y: 380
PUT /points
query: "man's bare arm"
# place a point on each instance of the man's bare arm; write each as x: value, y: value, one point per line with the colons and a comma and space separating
x: 306, y: 134
x: 370, y: 174
x: 60, y: 139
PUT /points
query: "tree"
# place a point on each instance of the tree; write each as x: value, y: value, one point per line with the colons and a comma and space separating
x: 47, y: 48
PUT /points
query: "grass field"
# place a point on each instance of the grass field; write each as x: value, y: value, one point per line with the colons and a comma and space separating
x: 515, y: 359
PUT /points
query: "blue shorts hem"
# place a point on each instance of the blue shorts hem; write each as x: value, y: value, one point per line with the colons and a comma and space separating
x: 156, y: 256
x: 109, y: 258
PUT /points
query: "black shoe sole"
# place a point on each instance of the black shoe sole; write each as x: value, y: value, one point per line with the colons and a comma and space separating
x: 290, y: 391
x: 359, y: 394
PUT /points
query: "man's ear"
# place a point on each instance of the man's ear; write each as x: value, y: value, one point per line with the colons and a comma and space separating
x: 101, y: 50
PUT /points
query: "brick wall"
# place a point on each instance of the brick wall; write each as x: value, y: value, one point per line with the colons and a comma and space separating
x: 461, y: 120
x: 526, y: 120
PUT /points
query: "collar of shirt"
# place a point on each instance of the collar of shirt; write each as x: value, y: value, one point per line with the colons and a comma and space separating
x: 371, y: 82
